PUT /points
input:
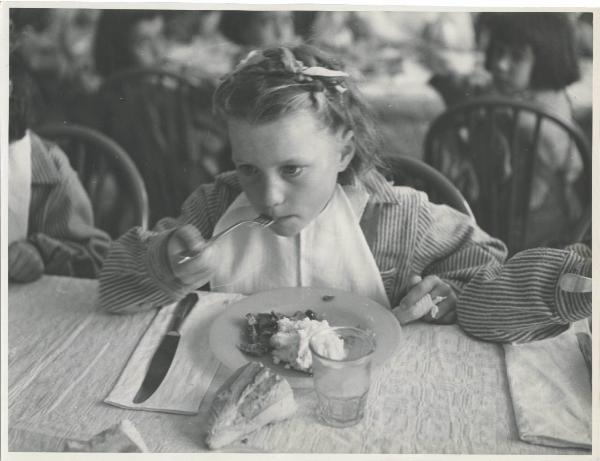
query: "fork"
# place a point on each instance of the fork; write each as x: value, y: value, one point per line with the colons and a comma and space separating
x: 262, y: 220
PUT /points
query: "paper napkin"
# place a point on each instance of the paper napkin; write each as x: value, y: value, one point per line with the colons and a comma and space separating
x: 193, y: 367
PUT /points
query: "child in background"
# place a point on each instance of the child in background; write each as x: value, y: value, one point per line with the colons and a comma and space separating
x: 128, y: 39
x: 306, y: 154
x: 50, y: 219
x: 258, y: 29
x: 530, y: 57
x: 166, y: 128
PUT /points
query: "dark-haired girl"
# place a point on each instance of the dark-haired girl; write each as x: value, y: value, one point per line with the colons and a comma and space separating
x: 532, y: 57
x: 306, y: 152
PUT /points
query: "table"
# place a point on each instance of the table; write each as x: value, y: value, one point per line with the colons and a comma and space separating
x: 443, y: 392
x: 404, y: 110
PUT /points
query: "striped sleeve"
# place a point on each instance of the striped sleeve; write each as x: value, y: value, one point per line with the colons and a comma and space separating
x: 521, y: 301
x: 61, y: 220
x: 452, y: 246
x: 136, y: 274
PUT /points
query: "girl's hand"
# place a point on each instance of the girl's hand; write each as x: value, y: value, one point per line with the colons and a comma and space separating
x: 197, y: 270
x: 25, y: 264
x: 410, y: 309
x: 479, y: 79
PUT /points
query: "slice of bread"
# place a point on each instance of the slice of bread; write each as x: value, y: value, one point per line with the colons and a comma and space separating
x: 251, y: 398
x: 120, y: 438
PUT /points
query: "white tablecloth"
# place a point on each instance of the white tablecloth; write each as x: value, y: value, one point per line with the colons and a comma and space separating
x: 442, y: 393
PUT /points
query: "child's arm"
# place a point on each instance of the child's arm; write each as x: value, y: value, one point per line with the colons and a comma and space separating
x: 137, y: 274
x: 516, y: 300
x: 521, y: 300
x: 452, y: 247
x: 63, y: 231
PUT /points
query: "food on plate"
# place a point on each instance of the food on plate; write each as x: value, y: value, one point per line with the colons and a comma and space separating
x: 287, y: 338
x: 251, y: 398
x: 261, y: 327
x: 290, y: 343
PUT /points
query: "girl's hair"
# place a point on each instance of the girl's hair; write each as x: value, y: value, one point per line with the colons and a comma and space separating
x: 271, y: 85
x: 112, y: 50
x: 551, y: 38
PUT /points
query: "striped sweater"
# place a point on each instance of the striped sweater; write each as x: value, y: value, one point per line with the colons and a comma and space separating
x: 61, y: 219
x: 498, y: 300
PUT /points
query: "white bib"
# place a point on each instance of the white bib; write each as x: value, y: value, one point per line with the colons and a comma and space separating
x: 19, y: 188
x: 331, y: 252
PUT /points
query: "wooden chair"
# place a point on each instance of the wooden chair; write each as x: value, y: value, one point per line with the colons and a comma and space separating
x: 113, y: 183
x: 489, y: 148
x: 166, y: 124
x: 407, y: 171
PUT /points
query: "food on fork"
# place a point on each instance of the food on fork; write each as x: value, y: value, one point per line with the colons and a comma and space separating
x: 287, y: 337
x: 251, y: 398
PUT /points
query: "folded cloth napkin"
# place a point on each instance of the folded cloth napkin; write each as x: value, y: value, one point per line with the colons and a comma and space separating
x: 193, y: 367
x: 551, y: 391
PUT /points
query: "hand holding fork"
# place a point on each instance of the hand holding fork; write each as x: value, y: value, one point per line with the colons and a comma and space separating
x: 192, y: 258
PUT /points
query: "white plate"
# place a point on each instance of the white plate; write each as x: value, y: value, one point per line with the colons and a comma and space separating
x: 345, y: 309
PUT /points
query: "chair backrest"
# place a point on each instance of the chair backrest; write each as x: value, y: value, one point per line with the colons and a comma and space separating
x: 113, y: 183
x: 490, y: 149
x: 166, y: 124
x: 408, y: 171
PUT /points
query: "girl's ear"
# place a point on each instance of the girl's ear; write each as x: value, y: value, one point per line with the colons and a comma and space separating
x: 348, y: 149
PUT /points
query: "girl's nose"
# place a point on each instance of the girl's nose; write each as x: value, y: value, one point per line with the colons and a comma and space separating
x: 503, y: 63
x: 273, y: 193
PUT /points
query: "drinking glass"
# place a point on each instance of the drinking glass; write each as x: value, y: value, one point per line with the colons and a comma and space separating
x: 342, y: 385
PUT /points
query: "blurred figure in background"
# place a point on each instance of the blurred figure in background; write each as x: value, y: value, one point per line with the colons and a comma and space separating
x: 163, y: 121
x: 531, y: 57
x: 55, y: 45
x: 50, y: 218
x: 196, y: 47
x: 128, y: 39
x: 333, y: 30
x: 258, y: 29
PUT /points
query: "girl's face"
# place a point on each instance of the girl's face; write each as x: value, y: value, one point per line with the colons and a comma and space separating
x: 147, y: 42
x: 511, y: 66
x: 288, y: 168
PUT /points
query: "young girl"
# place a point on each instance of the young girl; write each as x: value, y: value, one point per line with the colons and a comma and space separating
x: 305, y: 154
x: 531, y: 57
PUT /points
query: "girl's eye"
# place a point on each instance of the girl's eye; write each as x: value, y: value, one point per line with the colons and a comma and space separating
x: 291, y: 170
x: 247, y: 170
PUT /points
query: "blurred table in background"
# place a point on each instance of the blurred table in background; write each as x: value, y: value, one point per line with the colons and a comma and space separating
x: 404, y: 107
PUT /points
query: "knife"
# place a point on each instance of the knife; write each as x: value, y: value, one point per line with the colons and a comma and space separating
x: 163, y: 357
